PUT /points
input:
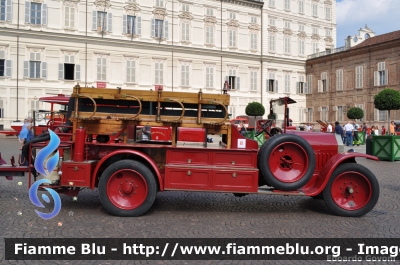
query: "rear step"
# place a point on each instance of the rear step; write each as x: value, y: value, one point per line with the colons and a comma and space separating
x: 12, y: 170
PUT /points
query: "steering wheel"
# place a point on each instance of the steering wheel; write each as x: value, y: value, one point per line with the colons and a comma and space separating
x: 275, y: 131
x: 264, y: 128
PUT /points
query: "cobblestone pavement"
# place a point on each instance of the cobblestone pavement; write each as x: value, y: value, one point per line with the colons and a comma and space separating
x: 198, y: 214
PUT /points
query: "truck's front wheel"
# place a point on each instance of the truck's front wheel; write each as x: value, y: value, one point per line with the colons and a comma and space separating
x: 351, y: 191
x: 127, y: 188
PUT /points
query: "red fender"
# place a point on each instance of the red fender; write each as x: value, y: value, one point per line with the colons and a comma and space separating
x: 146, y: 157
x: 318, y: 183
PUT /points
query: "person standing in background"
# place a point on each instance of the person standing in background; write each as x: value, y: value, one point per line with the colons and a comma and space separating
x: 25, y: 136
x: 364, y: 129
x: 339, y: 130
x: 329, y: 129
x: 391, y: 129
x: 349, y: 133
x: 26, y: 122
x: 356, y: 127
x: 383, y: 130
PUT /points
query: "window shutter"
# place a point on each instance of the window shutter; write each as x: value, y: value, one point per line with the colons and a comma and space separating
x: 44, y: 14
x: 44, y: 70
x: 376, y: 78
x: 94, y: 20
x: 66, y: 16
x: 138, y: 26
x: 327, y: 85
x: 72, y: 17
x: 26, y: 69
x: 2, y: 54
x: 165, y: 35
x: 376, y: 115
x: 306, y: 88
x: 276, y: 86
x: 124, y: 21
x: 9, y: 10
x: 320, y: 85
x: 128, y: 72
x: 153, y: 27
x: 267, y: 85
x: 298, y: 87
x: 77, y: 72
x: 237, y: 83
x: 386, y: 77
x: 183, y: 31
x: 27, y: 12
x: 8, y: 68
x: 60, y: 71
x: 109, y: 26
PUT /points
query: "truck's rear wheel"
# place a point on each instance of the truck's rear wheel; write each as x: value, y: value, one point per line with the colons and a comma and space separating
x: 287, y: 162
x: 352, y: 190
x: 127, y: 188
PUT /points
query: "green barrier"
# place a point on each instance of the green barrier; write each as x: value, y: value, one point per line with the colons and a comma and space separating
x: 386, y: 147
x: 260, y: 139
x: 361, y: 137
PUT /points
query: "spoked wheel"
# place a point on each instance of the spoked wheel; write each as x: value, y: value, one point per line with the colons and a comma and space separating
x: 127, y: 188
x: 287, y: 162
x: 352, y: 190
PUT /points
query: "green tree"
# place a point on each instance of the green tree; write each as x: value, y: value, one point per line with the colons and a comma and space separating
x: 255, y: 109
x: 355, y: 113
x: 388, y: 99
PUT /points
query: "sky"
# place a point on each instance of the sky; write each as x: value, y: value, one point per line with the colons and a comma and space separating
x: 381, y: 16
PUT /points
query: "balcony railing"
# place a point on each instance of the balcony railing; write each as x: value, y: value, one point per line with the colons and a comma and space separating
x: 327, y: 52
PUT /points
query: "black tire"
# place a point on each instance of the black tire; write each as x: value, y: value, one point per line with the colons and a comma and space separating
x: 145, y: 176
x: 261, y: 178
x: 298, y: 153
x: 360, y: 177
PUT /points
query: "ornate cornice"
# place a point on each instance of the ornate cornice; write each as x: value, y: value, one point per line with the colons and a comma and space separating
x: 287, y: 32
x: 253, y: 26
x: 37, y: 1
x: 210, y: 20
x: 71, y: 3
x: 159, y: 13
x: 328, y: 2
x: 186, y: 16
x: 328, y: 39
x: 102, y: 4
x: 302, y: 34
x: 315, y: 37
x: 233, y: 24
x: 132, y: 9
x: 272, y: 29
x: 248, y: 3
x: 210, y: 65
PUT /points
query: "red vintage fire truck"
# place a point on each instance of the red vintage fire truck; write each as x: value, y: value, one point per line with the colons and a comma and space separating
x: 129, y: 172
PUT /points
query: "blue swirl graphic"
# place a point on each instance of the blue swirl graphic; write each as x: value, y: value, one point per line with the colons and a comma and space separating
x: 39, y: 166
x: 35, y: 200
x: 45, y: 152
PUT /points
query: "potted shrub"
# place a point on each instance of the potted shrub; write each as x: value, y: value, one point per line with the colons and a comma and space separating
x: 387, y: 147
x: 255, y: 109
x: 357, y: 114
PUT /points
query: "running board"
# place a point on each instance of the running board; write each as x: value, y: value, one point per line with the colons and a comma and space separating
x: 13, y: 171
x: 271, y: 191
